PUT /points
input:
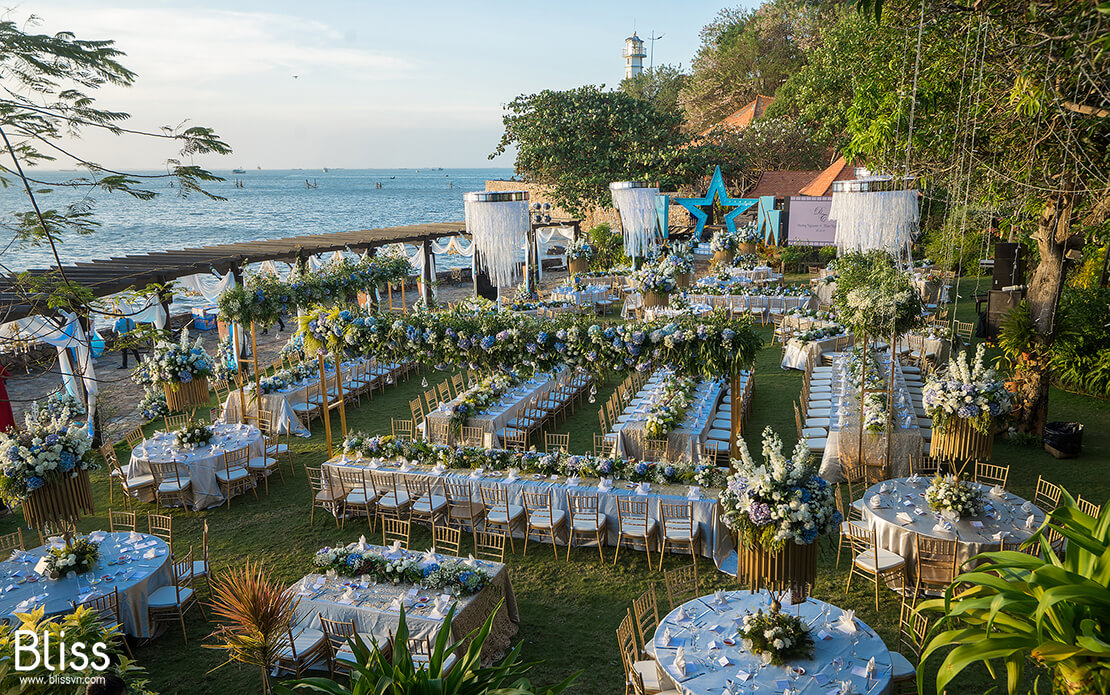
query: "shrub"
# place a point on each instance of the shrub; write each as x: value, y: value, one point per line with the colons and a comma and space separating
x: 608, y: 247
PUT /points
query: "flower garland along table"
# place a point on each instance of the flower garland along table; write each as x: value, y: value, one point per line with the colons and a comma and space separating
x: 694, y: 426
x: 494, y: 418
x: 374, y: 604
x: 699, y: 649
x: 716, y: 544
x: 842, y: 445
x: 136, y: 564
x: 199, y: 464
x: 897, y: 509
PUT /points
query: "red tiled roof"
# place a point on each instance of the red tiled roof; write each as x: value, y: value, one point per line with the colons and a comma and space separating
x: 781, y: 184
x: 743, y: 118
x: 840, y: 170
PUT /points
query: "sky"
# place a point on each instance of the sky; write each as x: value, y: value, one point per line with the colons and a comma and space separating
x: 349, y: 84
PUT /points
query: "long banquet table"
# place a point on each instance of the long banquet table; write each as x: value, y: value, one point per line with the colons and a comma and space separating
x: 496, y: 417
x: 199, y: 464
x: 135, y: 564
x: 716, y: 538
x: 632, y: 434
x: 374, y: 607
x: 907, y: 441
x: 706, y: 625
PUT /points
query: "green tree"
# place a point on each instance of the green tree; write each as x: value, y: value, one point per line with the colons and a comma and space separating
x: 745, y: 53
x: 768, y: 144
x: 1010, y: 104
x: 658, y: 85
x: 578, y: 141
x: 46, y: 105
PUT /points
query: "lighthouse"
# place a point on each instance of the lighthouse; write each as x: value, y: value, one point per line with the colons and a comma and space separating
x: 633, y: 56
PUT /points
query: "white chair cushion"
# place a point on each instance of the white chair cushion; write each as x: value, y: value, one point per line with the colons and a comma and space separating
x: 200, y: 568
x: 235, y: 474
x: 682, y: 532
x: 582, y: 523
x: 497, y: 514
x: 817, y: 444
x: 815, y: 432
x: 887, y: 560
x: 166, y: 597
x: 903, y: 669
x: 261, y: 462
x: 140, y: 481
x: 636, y: 528
x: 304, y: 641
x: 722, y: 435
x: 422, y: 661
x: 392, y: 500
x: 817, y: 422
x: 542, y: 519
x: 649, y: 673
x: 169, y: 486
x: 430, y: 503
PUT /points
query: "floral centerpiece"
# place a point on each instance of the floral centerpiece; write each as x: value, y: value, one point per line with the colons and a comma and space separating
x: 487, y: 392
x: 952, y: 494
x: 781, y: 501
x: 455, y: 577
x: 153, y: 405
x: 59, y: 406
x: 813, y: 335
x: 44, y: 452
x: 79, y: 557
x: 779, y: 635
x: 711, y: 476
x: 192, y: 435
x: 724, y: 241
x: 581, y: 249
x: 657, y: 279
x: 669, y: 409
x: 748, y: 234
x: 351, y: 561
x: 874, y: 412
x: 970, y: 392
x: 275, y: 382
x: 174, y: 363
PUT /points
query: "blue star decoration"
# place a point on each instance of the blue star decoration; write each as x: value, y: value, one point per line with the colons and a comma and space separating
x: 716, y: 189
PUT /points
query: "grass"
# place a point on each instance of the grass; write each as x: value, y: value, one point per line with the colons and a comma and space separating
x: 568, y: 611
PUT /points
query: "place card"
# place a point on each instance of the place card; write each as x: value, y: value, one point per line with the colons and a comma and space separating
x: 782, y: 684
x: 724, y: 661
x: 977, y: 524
x: 821, y: 678
x: 743, y: 676
x: 823, y: 635
x: 860, y: 671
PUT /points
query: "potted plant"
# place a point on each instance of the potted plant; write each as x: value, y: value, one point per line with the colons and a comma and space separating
x: 723, y: 245
x: 181, y: 369
x: 45, y: 468
x: 579, y: 254
x: 963, y: 402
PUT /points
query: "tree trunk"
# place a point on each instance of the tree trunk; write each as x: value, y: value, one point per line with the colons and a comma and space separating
x: 1045, y: 288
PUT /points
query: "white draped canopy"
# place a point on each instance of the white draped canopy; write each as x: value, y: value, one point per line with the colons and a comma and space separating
x: 868, y: 220
x: 63, y: 334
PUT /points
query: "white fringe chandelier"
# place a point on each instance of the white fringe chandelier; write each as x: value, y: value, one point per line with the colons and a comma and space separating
x: 868, y: 220
x: 635, y: 200
x: 498, y: 222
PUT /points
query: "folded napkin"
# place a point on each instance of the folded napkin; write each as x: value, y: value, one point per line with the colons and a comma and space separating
x: 439, y: 469
x: 97, y: 536
x: 396, y: 604
x: 343, y: 459
x: 871, y: 667
x: 846, y: 688
x: 876, y: 502
x: 667, y: 637
x: 719, y: 597
x: 1000, y: 536
x: 362, y: 542
x: 512, y: 475
x: 997, y: 491
x: 150, y: 554
x: 470, y: 561
x: 904, y: 518
x: 405, y: 467
x: 477, y: 473
x: 396, y: 547
x: 680, y: 660
x: 1031, y: 521
x: 643, y: 488
x: 1027, y: 507
x: 884, y: 488
x: 429, y: 556
x: 604, y: 484
x: 694, y: 492
x: 574, y: 481
x: 681, y: 616
x: 943, y: 526
x: 913, y: 479
x: 441, y: 606
x: 847, y: 621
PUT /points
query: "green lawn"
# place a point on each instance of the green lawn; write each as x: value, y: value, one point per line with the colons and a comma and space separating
x: 569, y: 612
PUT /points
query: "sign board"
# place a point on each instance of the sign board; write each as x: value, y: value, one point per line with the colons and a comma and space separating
x: 809, y: 223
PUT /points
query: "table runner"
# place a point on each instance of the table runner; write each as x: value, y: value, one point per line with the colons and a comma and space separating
x: 632, y: 434
x: 496, y: 417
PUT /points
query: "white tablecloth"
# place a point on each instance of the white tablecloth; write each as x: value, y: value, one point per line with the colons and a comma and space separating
x: 136, y: 578
x: 591, y: 295
x: 199, y: 464
x: 798, y: 355
x: 716, y: 539
x: 744, y: 302
x: 974, y: 534
x: 496, y: 417
x: 709, y: 621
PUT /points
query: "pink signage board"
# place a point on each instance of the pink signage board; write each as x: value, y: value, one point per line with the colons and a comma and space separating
x: 809, y: 223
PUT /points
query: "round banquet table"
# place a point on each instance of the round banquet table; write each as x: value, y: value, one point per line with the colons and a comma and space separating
x: 135, y: 567
x: 199, y: 464
x: 903, y: 512
x: 838, y: 655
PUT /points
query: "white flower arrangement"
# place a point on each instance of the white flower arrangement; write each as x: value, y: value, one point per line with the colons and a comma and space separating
x: 749, y: 234
x: 580, y: 248
x: 659, y: 279
x: 949, y: 493
x: 174, y: 363
x: 971, y: 392
x: 669, y: 409
x: 782, y: 500
x: 192, y: 435
x: 41, y: 453
x: 724, y: 240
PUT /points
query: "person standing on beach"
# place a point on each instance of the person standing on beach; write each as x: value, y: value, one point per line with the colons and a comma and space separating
x: 125, y: 325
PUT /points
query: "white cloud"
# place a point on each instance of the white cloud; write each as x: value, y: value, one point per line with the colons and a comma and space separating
x: 179, y: 46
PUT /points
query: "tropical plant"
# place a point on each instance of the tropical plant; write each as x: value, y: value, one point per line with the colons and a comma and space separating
x: 394, y: 672
x: 253, y: 612
x: 82, y: 626
x: 1015, y: 606
x: 608, y: 248
x: 1081, y: 354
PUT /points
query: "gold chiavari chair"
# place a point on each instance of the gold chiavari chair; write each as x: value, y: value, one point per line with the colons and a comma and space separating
x: 124, y: 521
x: 447, y: 540
x: 645, y: 612
x: 543, y: 518
x: 472, y: 436
x: 160, y: 526
x: 174, y: 422
x: 936, y: 563
x: 402, y: 430
x: 553, y: 443
x: 635, y: 525
x: 360, y: 499
x: 235, y: 478
x: 679, y: 528
x: 176, y: 599
x: 462, y: 508
x: 500, y: 513
x: 991, y: 474
x: 172, y: 487
x: 586, y: 521
x: 106, y: 606
x: 326, y: 494
x: 490, y: 545
x: 869, y: 559
x: 682, y: 584
x: 393, y: 499
x: 396, y: 531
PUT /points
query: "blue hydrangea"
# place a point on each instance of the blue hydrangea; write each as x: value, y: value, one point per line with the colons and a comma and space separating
x: 35, y: 482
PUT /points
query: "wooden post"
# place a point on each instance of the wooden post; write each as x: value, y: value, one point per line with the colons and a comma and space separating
x: 339, y: 392
x: 426, y: 272
x: 257, y: 376
x: 736, y: 421
x: 890, y: 407
x: 404, y: 307
x: 324, y: 400
x: 862, y: 397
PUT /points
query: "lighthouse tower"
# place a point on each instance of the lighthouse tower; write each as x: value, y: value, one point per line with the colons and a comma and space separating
x: 633, y: 56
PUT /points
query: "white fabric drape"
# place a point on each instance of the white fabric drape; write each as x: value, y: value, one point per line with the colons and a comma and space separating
x: 498, y: 229
x: 455, y: 246
x: 210, y: 285
x: 638, y: 218
x: 68, y: 335
x: 544, y: 237
x: 145, y: 310
x: 876, y: 220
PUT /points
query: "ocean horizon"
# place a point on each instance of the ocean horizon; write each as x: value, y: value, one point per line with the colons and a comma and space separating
x: 270, y: 204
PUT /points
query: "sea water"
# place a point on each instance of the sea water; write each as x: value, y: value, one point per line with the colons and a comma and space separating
x: 269, y: 205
